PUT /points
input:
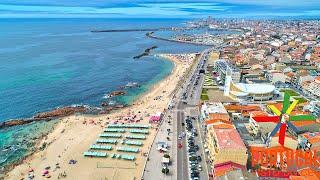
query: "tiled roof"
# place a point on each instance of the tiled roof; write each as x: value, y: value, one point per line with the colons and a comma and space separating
x: 229, y: 138
x: 312, y: 137
x: 258, y: 113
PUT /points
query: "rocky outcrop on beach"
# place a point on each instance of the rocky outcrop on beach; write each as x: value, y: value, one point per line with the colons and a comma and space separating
x: 117, y: 93
x: 15, y: 122
x: 109, y: 107
x: 61, y: 112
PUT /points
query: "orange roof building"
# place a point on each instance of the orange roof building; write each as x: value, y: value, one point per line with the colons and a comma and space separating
x: 225, y: 144
x: 243, y: 109
x: 226, y: 169
x: 219, y: 123
x: 309, y: 141
x: 214, y: 110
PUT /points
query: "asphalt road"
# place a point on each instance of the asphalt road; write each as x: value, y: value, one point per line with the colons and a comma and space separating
x: 193, y: 93
x: 182, y: 164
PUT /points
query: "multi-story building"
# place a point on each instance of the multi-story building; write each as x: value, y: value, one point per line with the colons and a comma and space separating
x: 254, y: 126
x: 222, y: 67
x: 309, y: 141
x: 214, y: 110
x: 226, y: 145
x: 314, y: 87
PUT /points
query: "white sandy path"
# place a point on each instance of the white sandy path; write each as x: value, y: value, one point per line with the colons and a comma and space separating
x: 77, y: 137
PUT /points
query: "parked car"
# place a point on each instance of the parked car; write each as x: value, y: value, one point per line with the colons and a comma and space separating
x: 199, y: 158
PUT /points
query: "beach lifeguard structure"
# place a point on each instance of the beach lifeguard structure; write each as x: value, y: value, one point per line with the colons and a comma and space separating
x: 156, y: 117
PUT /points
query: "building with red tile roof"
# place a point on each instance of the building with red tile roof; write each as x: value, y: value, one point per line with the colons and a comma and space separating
x: 225, y: 170
x: 309, y: 141
x: 226, y: 145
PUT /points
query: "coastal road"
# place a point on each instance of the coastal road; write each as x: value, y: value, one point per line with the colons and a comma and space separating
x: 190, y: 97
x: 179, y: 167
x: 182, y: 162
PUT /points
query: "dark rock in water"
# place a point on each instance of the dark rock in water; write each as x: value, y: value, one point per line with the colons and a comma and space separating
x: 103, y: 112
x: 108, y: 104
x: 104, y: 104
x: 109, y: 109
x: 15, y: 122
x: 60, y: 112
x: 117, y: 93
x: 145, y: 53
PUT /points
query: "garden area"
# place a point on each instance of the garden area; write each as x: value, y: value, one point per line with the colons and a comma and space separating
x: 294, y: 95
x: 204, y: 95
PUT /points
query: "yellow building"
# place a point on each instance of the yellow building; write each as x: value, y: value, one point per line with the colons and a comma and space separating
x: 225, y: 145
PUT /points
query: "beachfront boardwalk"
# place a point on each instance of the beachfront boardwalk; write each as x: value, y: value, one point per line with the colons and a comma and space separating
x: 154, y: 165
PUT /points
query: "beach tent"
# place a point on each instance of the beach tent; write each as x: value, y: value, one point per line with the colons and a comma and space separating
x: 156, y: 117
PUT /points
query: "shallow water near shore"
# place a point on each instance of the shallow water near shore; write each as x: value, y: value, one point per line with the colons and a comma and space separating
x: 19, y: 141
x: 49, y: 63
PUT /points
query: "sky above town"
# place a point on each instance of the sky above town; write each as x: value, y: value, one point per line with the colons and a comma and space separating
x: 159, y: 8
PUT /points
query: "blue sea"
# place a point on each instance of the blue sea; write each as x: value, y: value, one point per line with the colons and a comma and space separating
x: 49, y: 63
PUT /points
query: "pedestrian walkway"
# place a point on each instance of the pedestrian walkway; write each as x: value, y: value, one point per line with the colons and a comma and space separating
x: 154, y: 165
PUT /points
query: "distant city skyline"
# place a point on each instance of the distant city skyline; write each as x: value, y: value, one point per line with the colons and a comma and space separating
x: 159, y: 9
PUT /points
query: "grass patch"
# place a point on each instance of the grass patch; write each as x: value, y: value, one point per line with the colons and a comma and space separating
x: 204, y: 97
x: 204, y: 91
x: 301, y: 99
x: 290, y: 92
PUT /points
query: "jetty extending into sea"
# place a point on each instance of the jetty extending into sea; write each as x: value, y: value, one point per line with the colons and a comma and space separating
x: 146, y: 29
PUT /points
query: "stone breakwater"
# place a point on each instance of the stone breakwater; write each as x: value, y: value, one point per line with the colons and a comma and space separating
x: 145, y: 53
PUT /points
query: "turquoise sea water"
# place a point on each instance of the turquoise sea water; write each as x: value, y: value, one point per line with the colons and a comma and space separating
x: 47, y: 63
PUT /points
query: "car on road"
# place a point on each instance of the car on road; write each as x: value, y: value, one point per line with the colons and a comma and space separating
x: 191, y: 143
x: 193, y: 168
x: 196, y: 174
x: 194, y: 178
x: 199, y: 158
x: 191, y: 150
x: 194, y: 162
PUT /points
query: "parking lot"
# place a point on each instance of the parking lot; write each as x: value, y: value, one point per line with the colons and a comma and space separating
x: 193, y: 148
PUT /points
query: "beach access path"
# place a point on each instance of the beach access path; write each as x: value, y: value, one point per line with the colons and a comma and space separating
x: 154, y: 165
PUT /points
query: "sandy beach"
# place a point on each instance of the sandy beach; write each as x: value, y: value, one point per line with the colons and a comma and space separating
x: 74, y: 135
